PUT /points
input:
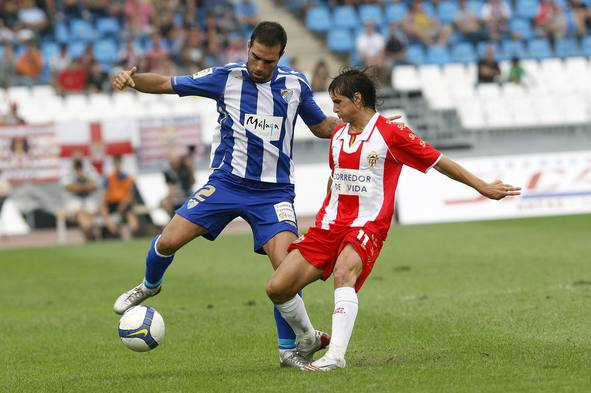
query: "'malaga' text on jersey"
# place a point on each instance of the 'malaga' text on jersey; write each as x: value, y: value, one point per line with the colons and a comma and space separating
x: 256, y: 121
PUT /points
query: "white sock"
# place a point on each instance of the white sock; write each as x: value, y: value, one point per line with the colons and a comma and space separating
x: 294, y: 312
x: 343, y: 320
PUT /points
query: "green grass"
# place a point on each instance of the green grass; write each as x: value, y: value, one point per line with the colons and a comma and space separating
x: 499, y: 306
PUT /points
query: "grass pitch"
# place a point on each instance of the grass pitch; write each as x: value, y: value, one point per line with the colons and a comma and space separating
x: 500, y: 306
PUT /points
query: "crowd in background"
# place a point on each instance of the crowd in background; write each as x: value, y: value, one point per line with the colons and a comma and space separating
x: 68, y: 42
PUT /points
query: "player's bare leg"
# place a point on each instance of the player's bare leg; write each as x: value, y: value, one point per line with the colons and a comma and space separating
x: 291, y: 276
x: 347, y: 270
x: 176, y: 234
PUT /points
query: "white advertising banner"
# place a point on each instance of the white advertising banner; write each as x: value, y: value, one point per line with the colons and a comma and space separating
x: 552, y: 184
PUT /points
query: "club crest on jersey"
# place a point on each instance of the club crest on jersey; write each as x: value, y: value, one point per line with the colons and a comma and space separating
x: 204, y: 72
x: 286, y: 94
x: 372, y: 158
x: 191, y: 203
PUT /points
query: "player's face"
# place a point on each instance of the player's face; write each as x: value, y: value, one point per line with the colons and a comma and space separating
x: 262, y: 60
x: 343, y: 107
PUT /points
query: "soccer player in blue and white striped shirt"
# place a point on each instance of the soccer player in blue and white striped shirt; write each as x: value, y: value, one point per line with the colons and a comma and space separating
x: 258, y: 103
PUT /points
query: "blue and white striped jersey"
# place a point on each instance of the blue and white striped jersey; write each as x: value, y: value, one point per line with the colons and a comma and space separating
x: 256, y: 121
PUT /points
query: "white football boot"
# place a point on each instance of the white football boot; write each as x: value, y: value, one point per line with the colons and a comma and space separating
x: 133, y: 297
x: 326, y: 363
x: 292, y: 359
x: 307, y: 350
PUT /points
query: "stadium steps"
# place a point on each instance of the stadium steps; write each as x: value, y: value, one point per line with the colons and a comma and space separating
x: 301, y: 43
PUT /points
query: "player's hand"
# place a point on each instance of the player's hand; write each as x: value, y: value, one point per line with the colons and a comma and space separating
x: 124, y: 79
x: 499, y: 190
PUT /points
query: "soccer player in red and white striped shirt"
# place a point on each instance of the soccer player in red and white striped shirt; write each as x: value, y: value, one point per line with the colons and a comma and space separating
x: 366, y: 156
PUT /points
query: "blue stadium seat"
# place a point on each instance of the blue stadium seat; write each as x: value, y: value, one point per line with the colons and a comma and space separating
x: 521, y: 28
x: 463, y: 53
x: 81, y: 30
x: 586, y: 46
x: 108, y: 26
x: 371, y: 12
x: 340, y: 40
x: 539, y: 49
x: 415, y: 54
x: 62, y: 34
x: 438, y: 54
x: 396, y: 12
x: 566, y: 47
x: 526, y: 8
x: 48, y: 50
x: 447, y: 11
x: 318, y: 19
x: 76, y: 48
x: 513, y: 49
x: 429, y: 8
x: 105, y: 51
x: 345, y: 16
x: 475, y: 6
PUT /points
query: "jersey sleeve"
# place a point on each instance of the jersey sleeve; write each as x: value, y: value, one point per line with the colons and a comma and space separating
x: 208, y: 83
x: 408, y: 149
x: 309, y: 109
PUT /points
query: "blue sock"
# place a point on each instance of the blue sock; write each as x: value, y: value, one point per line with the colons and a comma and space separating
x: 156, y: 265
x: 285, y: 335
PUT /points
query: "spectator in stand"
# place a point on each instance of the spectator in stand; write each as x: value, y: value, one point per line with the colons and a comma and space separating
x: 395, y: 45
x: 418, y: 25
x: 117, y: 205
x: 516, y: 72
x: 130, y: 55
x: 87, y: 57
x: 33, y: 18
x: 320, y: 76
x: 192, y: 50
x: 581, y: 16
x: 370, y: 46
x: 7, y: 65
x: 236, y: 50
x: 158, y: 55
x: 247, y: 14
x: 551, y: 20
x: 229, y: 23
x: 71, y: 9
x: 180, y: 180
x: 496, y: 14
x: 468, y: 24
x: 30, y: 64
x: 6, y: 34
x: 488, y: 67
x: 9, y: 11
x: 138, y: 14
x: 72, y: 79
x: 13, y: 118
x: 5, y: 189
x: 96, y: 78
x: 60, y: 61
x: 81, y: 184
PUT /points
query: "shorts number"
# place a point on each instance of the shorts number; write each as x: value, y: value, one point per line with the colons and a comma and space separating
x: 203, y: 193
x: 363, y: 238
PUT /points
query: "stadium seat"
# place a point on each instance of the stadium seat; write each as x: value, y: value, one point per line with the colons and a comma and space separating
x: 474, y: 6
x: 447, y: 11
x: 429, y: 8
x: 526, y: 8
x: 566, y: 47
x: 318, y: 19
x: 471, y: 115
x: 523, y: 112
x: 406, y: 78
x: 48, y: 50
x: 62, y: 33
x: 539, y: 49
x: 371, y: 12
x: 498, y: 114
x: 340, y: 40
x: 396, y: 12
x: 108, y: 27
x: 105, y: 51
x: 345, y: 17
x: 76, y: 49
x: 586, y: 46
x: 463, y: 53
x: 81, y: 30
x: 521, y: 28
x: 513, y: 49
x: 415, y: 54
x: 438, y: 54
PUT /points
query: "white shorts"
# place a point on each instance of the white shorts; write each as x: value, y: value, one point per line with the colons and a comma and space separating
x: 75, y: 204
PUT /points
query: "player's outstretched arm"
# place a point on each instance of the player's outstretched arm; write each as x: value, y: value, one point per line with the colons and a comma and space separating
x: 495, y: 190
x: 144, y: 82
x: 325, y: 128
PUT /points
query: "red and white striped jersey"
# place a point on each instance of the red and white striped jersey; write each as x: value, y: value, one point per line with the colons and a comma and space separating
x: 365, y: 174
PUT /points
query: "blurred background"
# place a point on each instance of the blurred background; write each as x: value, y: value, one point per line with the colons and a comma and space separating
x: 503, y: 87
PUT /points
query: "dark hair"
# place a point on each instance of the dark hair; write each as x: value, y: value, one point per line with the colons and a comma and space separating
x: 78, y: 164
x: 269, y: 34
x: 351, y: 81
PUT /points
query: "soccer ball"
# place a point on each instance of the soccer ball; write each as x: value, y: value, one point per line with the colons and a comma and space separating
x: 141, y: 328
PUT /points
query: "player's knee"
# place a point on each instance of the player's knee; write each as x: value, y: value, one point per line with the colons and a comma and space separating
x: 277, y: 292
x: 166, y: 245
x: 345, y: 275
